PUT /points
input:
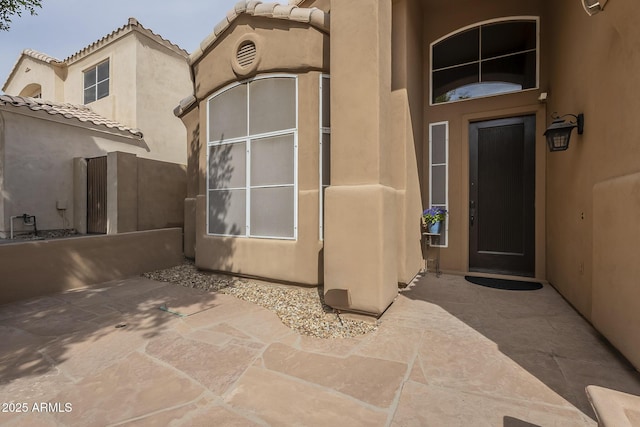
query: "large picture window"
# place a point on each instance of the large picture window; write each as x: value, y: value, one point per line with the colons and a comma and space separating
x: 252, y: 159
x: 487, y: 59
x: 96, y: 82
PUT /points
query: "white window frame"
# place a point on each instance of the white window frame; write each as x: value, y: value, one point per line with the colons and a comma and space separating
x: 446, y: 165
x: 323, y: 131
x: 479, y: 24
x: 247, y: 140
x: 95, y: 85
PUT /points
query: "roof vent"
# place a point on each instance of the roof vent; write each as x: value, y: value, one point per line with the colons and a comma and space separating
x: 246, y: 54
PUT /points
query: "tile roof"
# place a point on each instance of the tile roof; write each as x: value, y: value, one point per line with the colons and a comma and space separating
x: 41, y: 56
x: 312, y: 16
x: 81, y: 113
x: 132, y: 25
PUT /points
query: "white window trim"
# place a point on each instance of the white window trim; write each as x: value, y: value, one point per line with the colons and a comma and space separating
x: 95, y: 67
x: 247, y: 139
x: 323, y: 131
x: 446, y: 165
x: 478, y: 24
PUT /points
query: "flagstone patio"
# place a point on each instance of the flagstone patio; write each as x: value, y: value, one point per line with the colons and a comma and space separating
x: 446, y: 353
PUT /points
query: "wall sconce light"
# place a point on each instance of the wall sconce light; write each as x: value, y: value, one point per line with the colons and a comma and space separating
x: 559, y: 133
x: 593, y: 6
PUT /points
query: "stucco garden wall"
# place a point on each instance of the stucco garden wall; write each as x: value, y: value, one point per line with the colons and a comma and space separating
x: 32, y: 269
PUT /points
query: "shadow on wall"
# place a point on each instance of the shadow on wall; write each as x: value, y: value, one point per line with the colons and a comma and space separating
x: 537, y: 330
x: 71, y: 334
x: 225, y: 212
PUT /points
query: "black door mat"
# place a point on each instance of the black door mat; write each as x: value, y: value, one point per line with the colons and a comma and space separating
x: 508, y: 285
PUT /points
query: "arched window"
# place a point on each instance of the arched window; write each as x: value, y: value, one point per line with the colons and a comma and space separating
x: 487, y: 59
x: 33, y: 90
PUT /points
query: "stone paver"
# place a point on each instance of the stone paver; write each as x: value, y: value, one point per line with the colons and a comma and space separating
x: 446, y: 353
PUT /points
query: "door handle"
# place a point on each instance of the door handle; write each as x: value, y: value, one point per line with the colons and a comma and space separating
x: 472, y: 212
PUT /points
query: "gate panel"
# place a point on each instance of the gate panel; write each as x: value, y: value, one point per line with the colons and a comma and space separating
x: 97, y: 195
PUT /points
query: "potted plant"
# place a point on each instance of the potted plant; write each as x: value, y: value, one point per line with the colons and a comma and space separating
x: 432, y: 219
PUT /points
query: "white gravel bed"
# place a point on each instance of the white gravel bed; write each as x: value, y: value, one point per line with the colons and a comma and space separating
x: 301, y: 309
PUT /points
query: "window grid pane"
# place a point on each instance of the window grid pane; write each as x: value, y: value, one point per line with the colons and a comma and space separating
x: 227, y: 165
x: 272, y: 160
x: 227, y: 212
x: 96, y: 83
x: 272, y: 105
x: 272, y: 211
x: 228, y: 114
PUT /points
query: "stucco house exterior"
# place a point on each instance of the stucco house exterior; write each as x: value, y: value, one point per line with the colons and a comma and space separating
x: 71, y: 168
x: 132, y: 76
x: 431, y: 103
x: 90, y: 142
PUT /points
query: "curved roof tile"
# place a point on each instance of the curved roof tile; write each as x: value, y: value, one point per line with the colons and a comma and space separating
x: 81, y: 113
x: 131, y: 25
x: 41, y: 56
x: 312, y: 16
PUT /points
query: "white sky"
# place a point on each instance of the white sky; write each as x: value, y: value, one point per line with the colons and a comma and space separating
x: 63, y: 27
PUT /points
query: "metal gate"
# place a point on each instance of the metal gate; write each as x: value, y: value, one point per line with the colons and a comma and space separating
x: 97, y: 195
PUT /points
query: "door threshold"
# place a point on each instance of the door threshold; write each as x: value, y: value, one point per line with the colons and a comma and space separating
x: 505, y: 276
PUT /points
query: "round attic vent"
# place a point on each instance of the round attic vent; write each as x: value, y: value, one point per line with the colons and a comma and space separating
x: 246, y: 54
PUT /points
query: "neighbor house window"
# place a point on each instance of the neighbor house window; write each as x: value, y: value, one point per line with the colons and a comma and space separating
x: 487, y: 59
x: 439, y: 173
x: 252, y: 159
x: 325, y: 143
x: 96, y: 82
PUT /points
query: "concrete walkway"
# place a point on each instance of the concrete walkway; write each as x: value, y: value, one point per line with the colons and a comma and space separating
x: 447, y: 353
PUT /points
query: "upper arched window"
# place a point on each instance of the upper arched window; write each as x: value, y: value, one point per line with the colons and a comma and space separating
x: 486, y: 59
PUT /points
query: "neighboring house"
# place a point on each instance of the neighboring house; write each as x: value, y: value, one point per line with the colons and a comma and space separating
x: 432, y: 103
x: 132, y: 76
x: 71, y: 168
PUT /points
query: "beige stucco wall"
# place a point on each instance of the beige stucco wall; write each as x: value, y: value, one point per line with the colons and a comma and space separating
x: 407, y: 83
x: 146, y: 81
x: 594, y: 77
x: 122, y: 192
x: 615, y: 290
x: 191, y: 122
x: 38, y: 167
x: 162, y: 188
x: 65, y: 264
x: 283, y: 46
x: 439, y: 20
x: 362, y: 220
x: 30, y: 71
x: 120, y: 105
x: 162, y: 80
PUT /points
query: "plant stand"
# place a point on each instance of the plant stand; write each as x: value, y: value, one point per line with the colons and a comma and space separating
x: 428, y: 242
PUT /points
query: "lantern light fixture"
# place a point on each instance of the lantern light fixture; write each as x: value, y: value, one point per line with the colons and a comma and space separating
x: 593, y: 6
x: 559, y: 133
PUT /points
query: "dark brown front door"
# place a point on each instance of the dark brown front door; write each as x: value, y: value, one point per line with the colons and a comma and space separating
x: 502, y: 196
